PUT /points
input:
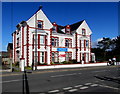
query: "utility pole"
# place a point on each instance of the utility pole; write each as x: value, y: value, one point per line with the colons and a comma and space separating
x: 36, y: 40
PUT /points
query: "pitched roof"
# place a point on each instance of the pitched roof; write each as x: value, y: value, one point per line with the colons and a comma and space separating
x: 72, y: 27
x: 75, y: 25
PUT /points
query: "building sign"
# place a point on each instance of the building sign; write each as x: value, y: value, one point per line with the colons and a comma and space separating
x: 62, y: 55
x: 62, y: 49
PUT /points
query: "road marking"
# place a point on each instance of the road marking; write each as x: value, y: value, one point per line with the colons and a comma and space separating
x: 85, y: 87
x: 11, y: 81
x: 88, y: 83
x: 78, y: 86
x: 93, y: 85
x: 53, y: 91
x: 65, y: 75
x: 109, y: 87
x: 67, y: 88
x: 100, y: 71
x: 72, y: 90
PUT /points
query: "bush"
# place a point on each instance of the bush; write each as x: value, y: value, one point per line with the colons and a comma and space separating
x: 16, y: 63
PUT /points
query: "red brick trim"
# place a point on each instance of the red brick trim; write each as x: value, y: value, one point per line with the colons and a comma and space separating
x: 22, y: 42
x: 32, y: 42
x: 27, y: 46
x: 39, y: 28
x: 38, y: 41
x: 38, y: 56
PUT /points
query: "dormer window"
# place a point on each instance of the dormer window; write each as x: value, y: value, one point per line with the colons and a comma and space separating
x: 67, y: 29
x: 83, y: 32
x: 54, y: 29
x: 40, y: 24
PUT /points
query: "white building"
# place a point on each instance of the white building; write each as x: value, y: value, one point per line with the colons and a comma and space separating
x: 39, y: 40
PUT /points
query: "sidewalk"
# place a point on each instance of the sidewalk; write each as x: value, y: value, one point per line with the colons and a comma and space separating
x: 6, y: 73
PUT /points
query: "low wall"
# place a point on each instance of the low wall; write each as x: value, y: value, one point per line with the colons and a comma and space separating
x: 71, y: 65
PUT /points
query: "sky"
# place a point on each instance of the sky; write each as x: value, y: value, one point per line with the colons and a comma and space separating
x: 102, y: 17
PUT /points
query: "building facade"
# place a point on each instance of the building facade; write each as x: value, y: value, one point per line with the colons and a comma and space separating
x: 39, y: 40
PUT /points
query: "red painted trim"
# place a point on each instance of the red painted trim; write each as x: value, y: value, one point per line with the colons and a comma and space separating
x: 38, y: 41
x: 76, y: 47
x: 39, y: 28
x: 80, y: 45
x: 27, y: 46
x: 22, y: 58
x: 38, y: 56
x: 14, y: 47
x: 84, y: 45
x: 90, y: 49
x: 50, y: 45
x: 22, y: 42
x: 85, y: 58
x: 32, y: 42
x: 85, y: 35
x: 46, y: 57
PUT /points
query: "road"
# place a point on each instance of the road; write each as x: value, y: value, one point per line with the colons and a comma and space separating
x: 62, y: 81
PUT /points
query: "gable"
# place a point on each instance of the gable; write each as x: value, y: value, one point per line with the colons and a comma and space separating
x: 85, y: 26
x: 40, y: 16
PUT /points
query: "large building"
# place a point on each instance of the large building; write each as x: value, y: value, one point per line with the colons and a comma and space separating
x: 39, y: 40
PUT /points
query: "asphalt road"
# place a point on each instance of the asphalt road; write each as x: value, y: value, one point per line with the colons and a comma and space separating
x: 65, y: 81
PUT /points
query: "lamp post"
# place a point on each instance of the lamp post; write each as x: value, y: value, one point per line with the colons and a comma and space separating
x: 36, y: 39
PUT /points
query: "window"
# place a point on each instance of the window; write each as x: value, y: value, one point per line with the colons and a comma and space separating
x: 42, y: 40
x: 83, y: 32
x: 67, y: 29
x: 41, y: 57
x: 55, y: 42
x: 87, y: 43
x: 54, y: 56
x: 68, y: 43
x: 17, y: 42
x: 54, y: 29
x: 82, y: 43
x: 68, y: 56
x: 40, y: 24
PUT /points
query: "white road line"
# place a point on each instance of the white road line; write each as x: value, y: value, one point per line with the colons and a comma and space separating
x: 57, y: 75
x: 109, y: 87
x: 88, y: 83
x: 67, y: 88
x: 72, y: 90
x: 78, y: 85
x: 85, y: 87
x: 53, y: 91
x: 100, y: 71
x: 65, y: 75
x: 93, y: 85
x: 11, y: 81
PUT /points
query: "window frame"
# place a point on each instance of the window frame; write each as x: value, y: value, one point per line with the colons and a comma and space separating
x: 40, y: 21
x: 69, y: 43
